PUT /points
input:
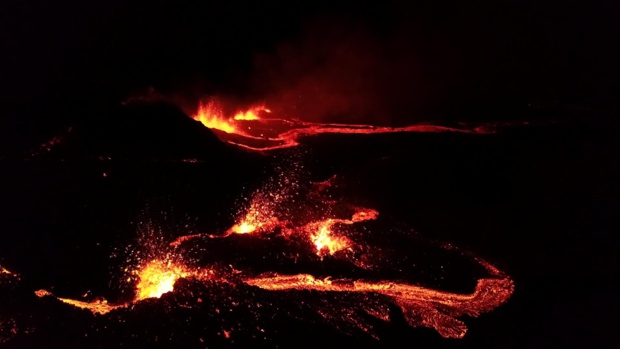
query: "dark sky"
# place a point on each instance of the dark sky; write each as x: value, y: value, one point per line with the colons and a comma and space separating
x: 397, y: 60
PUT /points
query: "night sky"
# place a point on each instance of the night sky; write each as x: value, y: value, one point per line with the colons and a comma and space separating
x: 384, y: 62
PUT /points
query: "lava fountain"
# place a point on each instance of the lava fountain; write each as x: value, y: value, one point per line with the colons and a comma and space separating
x: 155, y: 278
x: 158, y: 277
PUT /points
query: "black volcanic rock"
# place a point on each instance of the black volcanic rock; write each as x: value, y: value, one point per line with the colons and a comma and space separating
x: 145, y: 131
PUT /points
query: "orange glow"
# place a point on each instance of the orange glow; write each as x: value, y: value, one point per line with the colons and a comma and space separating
x: 243, y: 228
x: 252, y: 113
x: 255, y: 220
x: 158, y: 277
x: 155, y: 278
x: 278, y: 133
x: 326, y: 243
x: 436, y: 309
x: 99, y: 306
x: 212, y: 116
x: 323, y: 228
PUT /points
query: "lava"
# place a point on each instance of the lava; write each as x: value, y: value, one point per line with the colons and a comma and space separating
x: 278, y: 133
x: 99, y: 306
x: 158, y: 277
x: 7, y: 273
x: 212, y: 116
x: 488, y: 294
x: 323, y: 237
x: 326, y: 243
x: 251, y: 114
x: 155, y: 278
x: 305, y: 217
x: 255, y: 220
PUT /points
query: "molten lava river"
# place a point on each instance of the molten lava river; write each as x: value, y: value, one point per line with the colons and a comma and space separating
x: 256, y: 129
x: 296, y: 250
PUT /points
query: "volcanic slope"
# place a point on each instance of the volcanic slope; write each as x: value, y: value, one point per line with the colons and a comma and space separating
x: 154, y: 131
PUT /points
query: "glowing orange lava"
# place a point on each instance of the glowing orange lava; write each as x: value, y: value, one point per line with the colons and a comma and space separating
x: 99, y: 306
x: 255, y: 220
x: 158, y: 277
x: 321, y: 232
x: 415, y: 301
x: 326, y: 243
x: 278, y: 133
x: 212, y: 116
x: 252, y: 113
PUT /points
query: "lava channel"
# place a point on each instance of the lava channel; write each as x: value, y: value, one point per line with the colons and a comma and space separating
x: 255, y: 128
x: 419, y: 305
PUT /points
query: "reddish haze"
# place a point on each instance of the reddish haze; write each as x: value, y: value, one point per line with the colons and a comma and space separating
x: 342, y: 73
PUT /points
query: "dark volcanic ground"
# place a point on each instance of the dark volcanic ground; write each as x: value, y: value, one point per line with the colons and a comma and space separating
x: 539, y: 202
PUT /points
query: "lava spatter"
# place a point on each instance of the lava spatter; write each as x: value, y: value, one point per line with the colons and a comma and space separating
x: 155, y: 278
x: 325, y: 240
x: 326, y: 243
x: 158, y: 277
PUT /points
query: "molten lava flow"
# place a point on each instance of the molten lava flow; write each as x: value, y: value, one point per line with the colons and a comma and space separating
x: 313, y: 226
x: 99, y: 306
x: 158, y: 277
x: 415, y: 301
x: 278, y: 133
